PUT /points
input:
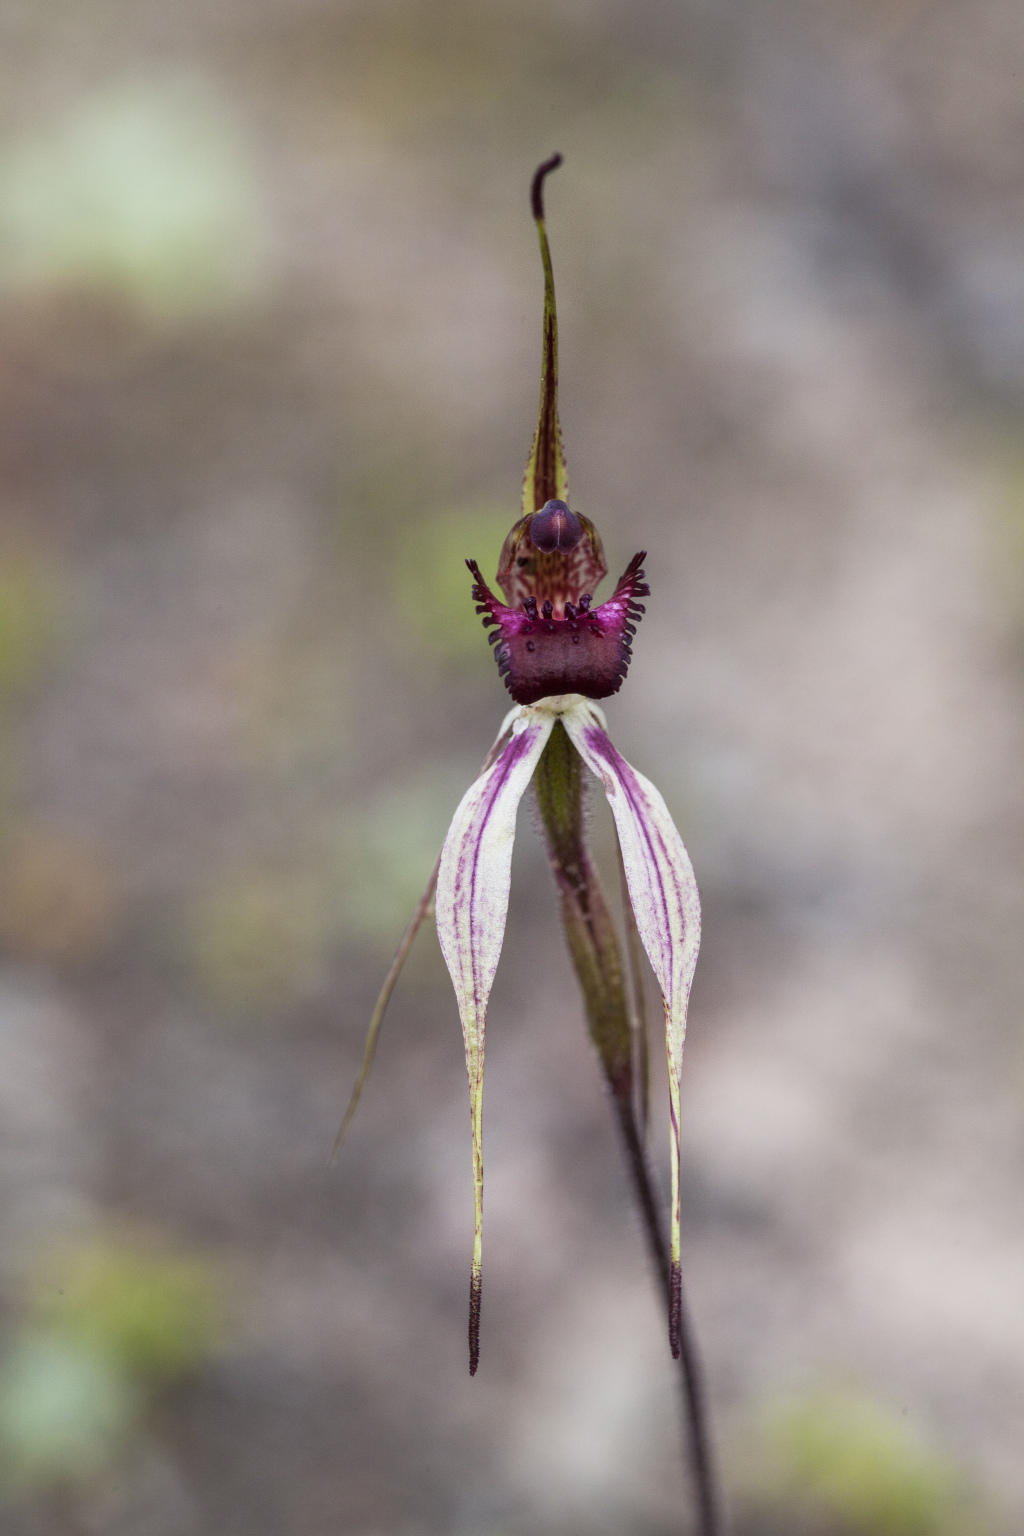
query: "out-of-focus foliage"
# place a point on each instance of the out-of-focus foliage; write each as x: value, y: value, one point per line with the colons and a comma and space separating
x: 65, y: 1409
x: 387, y: 853
x: 58, y: 897
x: 432, y: 585
x: 259, y: 939
x: 256, y: 939
x: 31, y: 597
x: 107, y: 1322
x: 843, y: 1463
x: 143, y: 196
x: 1009, y: 551
x: 157, y: 1311
x: 56, y: 894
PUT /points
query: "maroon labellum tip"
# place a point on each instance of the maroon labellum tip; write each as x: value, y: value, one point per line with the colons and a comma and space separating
x: 555, y: 527
x: 562, y: 655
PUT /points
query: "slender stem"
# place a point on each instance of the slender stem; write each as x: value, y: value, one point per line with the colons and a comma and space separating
x: 594, y: 948
x: 696, y: 1418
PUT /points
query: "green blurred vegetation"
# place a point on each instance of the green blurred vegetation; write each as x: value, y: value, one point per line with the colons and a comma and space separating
x: 1009, y: 536
x: 260, y: 938
x: 58, y: 894
x: 845, y: 1465
x: 387, y: 852
x: 65, y: 1410
x: 106, y: 1323
x: 256, y: 940
x: 431, y: 582
x: 143, y: 196
x: 155, y: 1310
x: 415, y: 71
x: 31, y: 602
x: 57, y: 887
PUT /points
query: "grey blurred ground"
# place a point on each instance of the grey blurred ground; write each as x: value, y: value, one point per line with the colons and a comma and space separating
x: 789, y: 248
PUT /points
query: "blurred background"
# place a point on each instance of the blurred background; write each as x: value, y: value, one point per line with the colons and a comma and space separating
x: 269, y: 358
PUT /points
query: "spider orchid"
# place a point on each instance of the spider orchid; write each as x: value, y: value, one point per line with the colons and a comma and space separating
x: 558, y: 653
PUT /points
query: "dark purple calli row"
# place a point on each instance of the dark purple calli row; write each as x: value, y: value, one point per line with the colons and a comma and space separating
x: 582, y: 649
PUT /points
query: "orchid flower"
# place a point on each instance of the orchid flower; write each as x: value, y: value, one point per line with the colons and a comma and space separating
x: 558, y: 654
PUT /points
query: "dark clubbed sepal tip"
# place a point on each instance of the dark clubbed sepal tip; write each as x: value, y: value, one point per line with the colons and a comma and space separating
x: 555, y: 527
x: 675, y: 1309
x: 537, y: 185
x: 475, y: 1297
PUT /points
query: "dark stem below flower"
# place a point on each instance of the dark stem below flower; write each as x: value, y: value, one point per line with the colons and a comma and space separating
x: 698, y: 1433
x: 594, y: 947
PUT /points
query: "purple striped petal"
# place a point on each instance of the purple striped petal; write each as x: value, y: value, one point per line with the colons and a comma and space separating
x: 663, y: 893
x: 471, y: 905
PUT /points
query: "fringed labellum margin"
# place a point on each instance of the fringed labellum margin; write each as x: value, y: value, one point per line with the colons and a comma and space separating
x: 573, y: 648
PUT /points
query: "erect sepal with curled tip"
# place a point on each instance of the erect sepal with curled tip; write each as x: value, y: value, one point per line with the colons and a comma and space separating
x: 532, y: 563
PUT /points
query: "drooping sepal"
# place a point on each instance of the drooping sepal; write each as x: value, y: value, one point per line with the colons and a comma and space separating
x: 471, y: 907
x: 583, y: 650
x: 663, y: 895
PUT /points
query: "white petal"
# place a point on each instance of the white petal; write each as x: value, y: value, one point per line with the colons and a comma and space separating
x: 663, y: 892
x: 471, y: 906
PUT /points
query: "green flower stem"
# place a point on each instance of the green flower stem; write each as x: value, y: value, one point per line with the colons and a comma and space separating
x: 594, y: 947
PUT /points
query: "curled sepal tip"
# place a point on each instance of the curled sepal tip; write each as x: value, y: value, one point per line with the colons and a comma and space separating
x: 663, y: 895
x: 472, y: 904
x: 537, y: 184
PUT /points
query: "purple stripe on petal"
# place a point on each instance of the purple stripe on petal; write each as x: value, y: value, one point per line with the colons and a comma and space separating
x: 473, y: 878
x: 663, y: 893
x: 667, y: 866
x: 471, y: 905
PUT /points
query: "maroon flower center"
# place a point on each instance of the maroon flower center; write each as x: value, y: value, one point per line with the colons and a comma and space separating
x: 587, y: 651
